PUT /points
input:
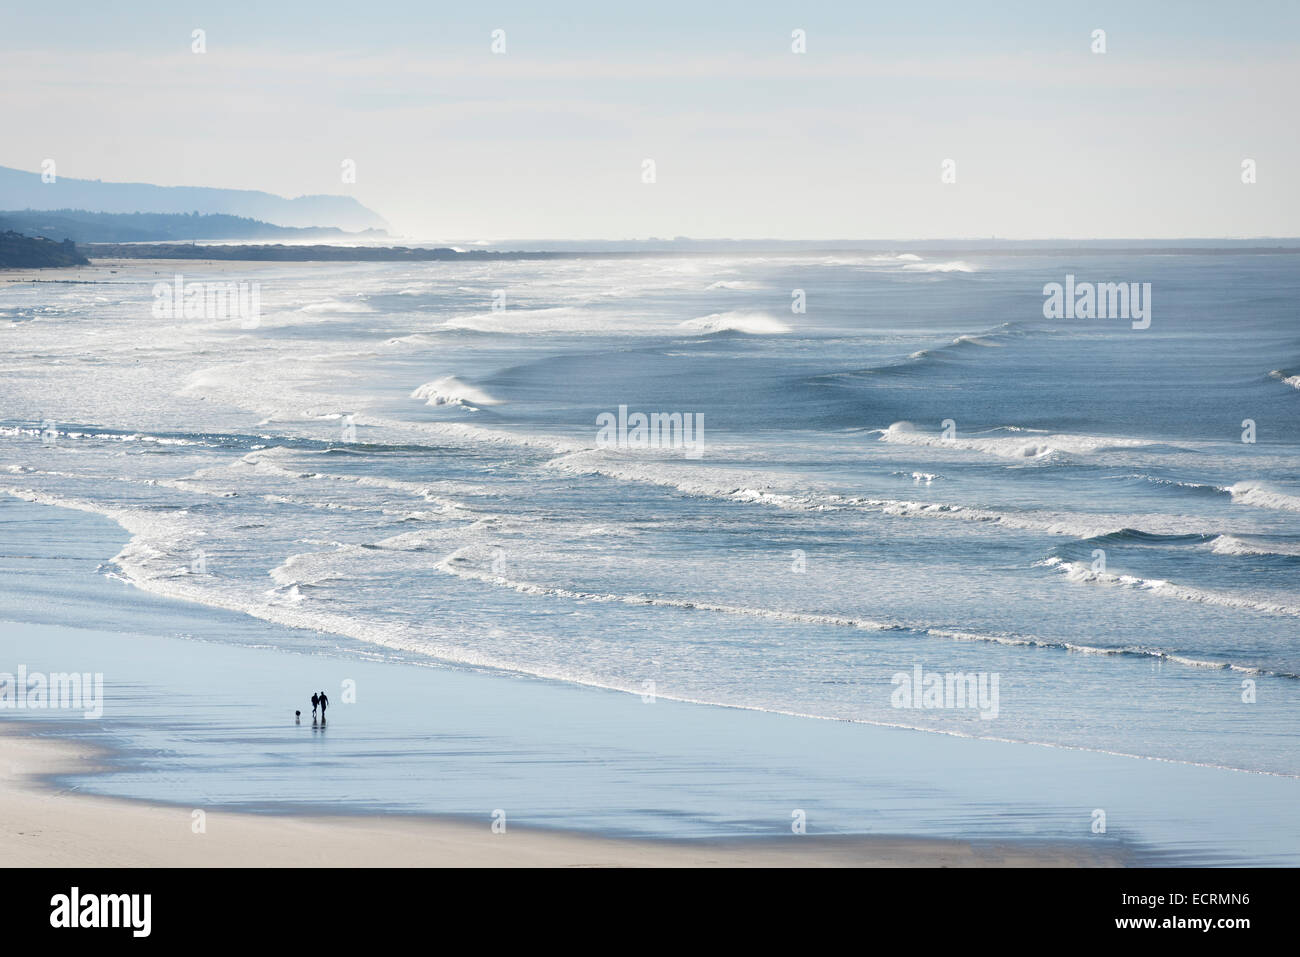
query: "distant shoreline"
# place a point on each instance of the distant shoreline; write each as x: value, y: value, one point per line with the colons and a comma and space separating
x: 325, y: 253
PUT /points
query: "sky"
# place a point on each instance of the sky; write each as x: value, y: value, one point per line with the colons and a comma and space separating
x: 549, y: 139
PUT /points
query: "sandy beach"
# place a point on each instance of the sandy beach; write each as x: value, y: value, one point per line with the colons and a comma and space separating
x: 47, y: 827
x: 99, y: 270
x: 116, y: 270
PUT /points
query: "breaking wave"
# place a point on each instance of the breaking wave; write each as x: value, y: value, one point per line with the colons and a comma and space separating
x: 452, y: 391
x: 1082, y: 573
x: 749, y: 323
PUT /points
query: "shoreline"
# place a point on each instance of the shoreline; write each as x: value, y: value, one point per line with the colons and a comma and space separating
x: 416, y: 768
x: 45, y: 826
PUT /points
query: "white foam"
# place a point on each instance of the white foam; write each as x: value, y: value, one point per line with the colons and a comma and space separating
x: 521, y: 320
x: 750, y: 323
x: 1234, y: 545
x: 311, y: 568
x: 955, y: 265
x: 738, y: 284
x: 337, y: 305
x: 263, y: 462
x: 1082, y: 573
x: 1261, y: 496
x: 452, y: 391
x: 459, y: 564
x: 758, y: 489
x: 1009, y: 447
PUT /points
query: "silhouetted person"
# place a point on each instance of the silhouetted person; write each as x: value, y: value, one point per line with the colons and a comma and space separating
x: 324, y: 703
x: 315, y: 700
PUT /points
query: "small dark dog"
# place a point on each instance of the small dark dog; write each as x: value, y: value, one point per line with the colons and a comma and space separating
x: 297, y: 717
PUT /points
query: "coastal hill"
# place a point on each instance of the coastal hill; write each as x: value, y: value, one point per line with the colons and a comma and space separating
x: 24, y: 190
x: 265, y: 252
x: 29, y: 252
x: 83, y: 226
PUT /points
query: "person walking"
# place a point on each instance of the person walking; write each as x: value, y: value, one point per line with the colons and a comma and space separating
x: 324, y: 703
x: 315, y: 700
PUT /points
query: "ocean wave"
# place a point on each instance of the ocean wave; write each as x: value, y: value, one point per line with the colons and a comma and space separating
x: 337, y: 305
x: 416, y: 340
x: 1137, y: 536
x: 452, y: 391
x: 459, y: 564
x: 402, y: 515
x: 968, y: 344
x: 955, y: 265
x: 1219, y: 544
x: 738, y: 284
x: 1243, y: 545
x: 757, y: 489
x: 1193, y: 488
x: 1261, y: 496
x: 308, y: 569
x: 520, y: 320
x: 1254, y: 493
x: 1083, y: 526
x: 1082, y: 573
x: 287, y: 594
x: 1013, y: 447
x: 1125, y: 651
x: 749, y: 323
x: 262, y: 462
x: 101, y: 436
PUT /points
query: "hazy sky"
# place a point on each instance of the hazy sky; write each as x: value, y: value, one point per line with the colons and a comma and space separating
x: 749, y: 139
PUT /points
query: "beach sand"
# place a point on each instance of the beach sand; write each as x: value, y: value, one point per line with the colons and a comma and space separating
x: 116, y: 270
x: 99, y: 270
x: 41, y: 826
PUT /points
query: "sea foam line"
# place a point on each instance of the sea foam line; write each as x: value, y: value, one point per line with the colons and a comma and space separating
x: 1082, y: 573
x: 455, y: 564
x: 753, y: 489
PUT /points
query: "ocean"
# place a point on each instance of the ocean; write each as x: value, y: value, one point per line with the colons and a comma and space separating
x: 898, y: 470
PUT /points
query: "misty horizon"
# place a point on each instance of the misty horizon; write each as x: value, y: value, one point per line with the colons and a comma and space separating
x: 771, y: 123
